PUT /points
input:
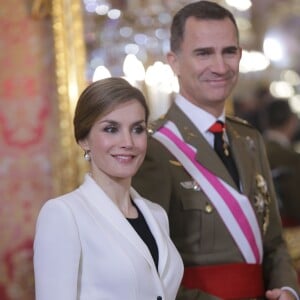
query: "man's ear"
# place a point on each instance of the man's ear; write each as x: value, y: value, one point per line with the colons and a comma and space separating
x: 241, y: 52
x: 173, y: 62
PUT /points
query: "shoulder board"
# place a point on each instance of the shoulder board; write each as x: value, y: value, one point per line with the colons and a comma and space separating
x: 238, y: 120
x: 156, y: 124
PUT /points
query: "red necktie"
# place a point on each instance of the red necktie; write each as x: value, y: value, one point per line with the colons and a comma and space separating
x: 223, y: 150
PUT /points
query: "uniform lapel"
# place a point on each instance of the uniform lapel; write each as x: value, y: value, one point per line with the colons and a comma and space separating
x: 242, y: 149
x: 206, y: 155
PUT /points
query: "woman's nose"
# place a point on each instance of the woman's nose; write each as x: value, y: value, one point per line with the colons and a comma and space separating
x: 127, y: 140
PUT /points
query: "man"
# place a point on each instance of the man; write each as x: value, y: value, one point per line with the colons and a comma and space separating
x: 226, y: 227
x: 282, y: 125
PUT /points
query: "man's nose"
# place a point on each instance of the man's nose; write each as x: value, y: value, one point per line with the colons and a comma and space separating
x: 219, y: 64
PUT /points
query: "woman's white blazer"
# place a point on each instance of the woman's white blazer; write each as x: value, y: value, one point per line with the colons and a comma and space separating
x: 85, y: 249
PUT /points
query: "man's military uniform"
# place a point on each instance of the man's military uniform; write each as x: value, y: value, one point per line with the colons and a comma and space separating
x: 195, y: 226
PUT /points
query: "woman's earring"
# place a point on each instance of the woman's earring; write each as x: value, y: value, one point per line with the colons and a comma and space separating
x: 87, y: 155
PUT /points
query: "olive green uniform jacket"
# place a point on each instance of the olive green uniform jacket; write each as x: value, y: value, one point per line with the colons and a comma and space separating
x: 195, y: 226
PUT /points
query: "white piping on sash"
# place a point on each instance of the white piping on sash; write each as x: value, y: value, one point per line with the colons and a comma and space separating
x: 233, y: 207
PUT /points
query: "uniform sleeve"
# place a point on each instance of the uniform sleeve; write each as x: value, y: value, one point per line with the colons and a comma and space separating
x: 56, y: 253
x: 277, y: 264
x: 153, y: 180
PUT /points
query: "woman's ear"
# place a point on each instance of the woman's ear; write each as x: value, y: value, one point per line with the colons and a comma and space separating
x: 85, y: 147
x: 84, y: 144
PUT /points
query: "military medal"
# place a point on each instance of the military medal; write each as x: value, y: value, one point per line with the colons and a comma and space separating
x: 262, y: 200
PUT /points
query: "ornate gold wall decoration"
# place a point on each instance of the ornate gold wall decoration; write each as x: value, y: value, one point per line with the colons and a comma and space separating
x: 70, y: 60
x: 41, y: 8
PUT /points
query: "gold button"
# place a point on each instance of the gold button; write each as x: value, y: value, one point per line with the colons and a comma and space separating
x: 208, y: 208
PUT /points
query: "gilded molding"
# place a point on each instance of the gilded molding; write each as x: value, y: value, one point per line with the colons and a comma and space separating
x: 41, y: 8
x: 70, y: 59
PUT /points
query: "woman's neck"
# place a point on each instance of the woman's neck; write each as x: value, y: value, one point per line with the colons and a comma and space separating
x: 118, y: 190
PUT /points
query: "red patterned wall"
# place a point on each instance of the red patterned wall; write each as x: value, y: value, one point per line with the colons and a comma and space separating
x: 27, y: 139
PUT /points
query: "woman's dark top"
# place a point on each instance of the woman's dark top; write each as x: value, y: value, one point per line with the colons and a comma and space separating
x: 141, y: 227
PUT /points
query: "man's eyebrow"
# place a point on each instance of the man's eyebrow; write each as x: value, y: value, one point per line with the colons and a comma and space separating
x: 203, y: 49
x: 231, y: 48
x: 208, y: 49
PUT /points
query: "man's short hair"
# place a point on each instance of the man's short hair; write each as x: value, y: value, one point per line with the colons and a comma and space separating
x: 201, y: 10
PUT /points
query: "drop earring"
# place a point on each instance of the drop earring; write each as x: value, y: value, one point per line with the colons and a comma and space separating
x: 87, y: 155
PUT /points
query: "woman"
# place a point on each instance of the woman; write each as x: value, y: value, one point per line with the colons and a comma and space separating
x: 103, y: 240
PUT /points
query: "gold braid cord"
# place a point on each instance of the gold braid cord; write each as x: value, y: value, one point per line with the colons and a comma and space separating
x: 70, y: 58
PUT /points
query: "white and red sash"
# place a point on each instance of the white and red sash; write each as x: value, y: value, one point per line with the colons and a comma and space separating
x: 233, y: 207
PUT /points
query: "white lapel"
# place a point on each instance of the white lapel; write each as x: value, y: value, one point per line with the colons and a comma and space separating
x: 101, y: 206
x: 155, y: 228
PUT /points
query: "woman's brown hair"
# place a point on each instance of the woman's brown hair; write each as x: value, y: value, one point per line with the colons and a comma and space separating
x: 101, y: 97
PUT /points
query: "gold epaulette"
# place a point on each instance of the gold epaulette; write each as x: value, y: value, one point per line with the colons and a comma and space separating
x: 155, y: 125
x: 238, y: 120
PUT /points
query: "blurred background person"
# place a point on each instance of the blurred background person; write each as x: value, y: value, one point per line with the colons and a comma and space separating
x: 282, y: 125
